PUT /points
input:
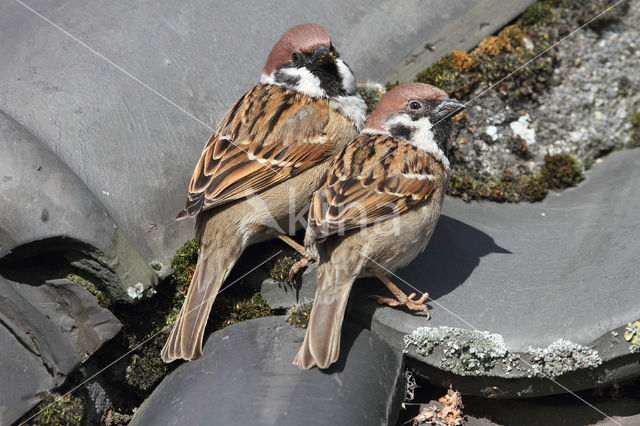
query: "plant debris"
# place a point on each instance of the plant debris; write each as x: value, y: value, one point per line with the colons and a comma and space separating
x: 447, y: 413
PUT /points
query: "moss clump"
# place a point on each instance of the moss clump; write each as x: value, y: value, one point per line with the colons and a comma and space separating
x: 254, y: 307
x: 103, y: 299
x: 535, y: 188
x: 58, y: 410
x: 466, y: 353
x: 561, y: 357
x: 299, y: 314
x: 372, y: 93
x: 184, y: 262
x: 459, y: 73
x: 280, y: 267
x: 558, y: 172
x: 389, y: 85
x: 146, y: 368
x: 561, y: 171
x: 539, y: 12
x: 632, y: 335
x: 508, y: 189
x: 634, y: 140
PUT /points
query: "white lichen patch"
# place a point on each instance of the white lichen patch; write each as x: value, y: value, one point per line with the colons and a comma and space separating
x: 522, y: 128
x: 136, y: 291
x: 561, y: 357
x: 492, y: 132
x: 466, y: 352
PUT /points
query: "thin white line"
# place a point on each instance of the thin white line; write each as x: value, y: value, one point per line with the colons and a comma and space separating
x: 166, y: 327
x: 607, y: 10
x: 133, y: 77
x: 470, y: 325
x: 101, y: 56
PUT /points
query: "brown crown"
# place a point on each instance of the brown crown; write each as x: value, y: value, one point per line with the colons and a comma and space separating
x: 395, y: 101
x: 301, y: 38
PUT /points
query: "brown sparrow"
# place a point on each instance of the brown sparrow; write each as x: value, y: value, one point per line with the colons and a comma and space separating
x: 275, y: 143
x: 376, y: 208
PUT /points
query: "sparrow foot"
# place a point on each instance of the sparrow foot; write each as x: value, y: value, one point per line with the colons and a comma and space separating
x: 299, y: 265
x: 400, y: 299
x: 406, y: 301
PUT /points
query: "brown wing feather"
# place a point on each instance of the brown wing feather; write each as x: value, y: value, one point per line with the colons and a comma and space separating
x: 268, y: 136
x: 374, y: 178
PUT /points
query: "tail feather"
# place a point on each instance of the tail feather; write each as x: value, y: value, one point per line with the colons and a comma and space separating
x: 214, y: 264
x: 321, y: 345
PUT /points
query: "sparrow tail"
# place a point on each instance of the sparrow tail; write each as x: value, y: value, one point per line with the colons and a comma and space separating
x: 321, y: 345
x: 217, y: 256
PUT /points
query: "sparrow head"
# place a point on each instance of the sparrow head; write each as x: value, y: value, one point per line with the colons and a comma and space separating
x: 418, y: 114
x: 305, y: 60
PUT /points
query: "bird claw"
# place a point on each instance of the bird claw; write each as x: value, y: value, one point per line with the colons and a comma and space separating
x: 300, y: 264
x: 406, y: 301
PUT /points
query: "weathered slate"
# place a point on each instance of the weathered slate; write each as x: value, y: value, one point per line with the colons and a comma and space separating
x: 246, y: 376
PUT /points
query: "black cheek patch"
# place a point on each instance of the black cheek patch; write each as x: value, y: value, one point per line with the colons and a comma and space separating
x: 401, y: 131
x: 288, y: 80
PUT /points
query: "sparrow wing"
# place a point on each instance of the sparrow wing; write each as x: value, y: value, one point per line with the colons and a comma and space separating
x: 374, y: 178
x: 268, y: 136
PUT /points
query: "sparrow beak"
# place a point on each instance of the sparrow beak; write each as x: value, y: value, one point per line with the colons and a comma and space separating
x: 448, y: 108
x: 322, y: 56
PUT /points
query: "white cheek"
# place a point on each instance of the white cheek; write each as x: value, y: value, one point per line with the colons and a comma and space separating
x: 348, y: 79
x: 423, y: 137
x: 308, y: 83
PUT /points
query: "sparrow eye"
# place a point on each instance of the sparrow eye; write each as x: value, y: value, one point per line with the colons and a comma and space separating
x: 295, y: 57
x: 415, y: 105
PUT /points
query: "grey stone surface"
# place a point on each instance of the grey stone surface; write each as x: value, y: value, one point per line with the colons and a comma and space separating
x: 45, y: 332
x: 134, y: 148
x: 45, y: 208
x: 565, y: 268
x: 533, y: 273
x: 565, y: 410
x: 246, y: 376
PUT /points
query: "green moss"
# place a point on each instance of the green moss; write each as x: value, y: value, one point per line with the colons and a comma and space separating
x: 184, y: 262
x: 539, y: 12
x: 634, y: 140
x: 535, y: 188
x: 146, y: 368
x: 558, y: 172
x: 103, y: 299
x: 438, y: 74
x: 632, y: 335
x: 280, y: 267
x: 561, y: 171
x: 508, y: 189
x: 389, y: 85
x: 299, y: 314
x: 58, y: 410
x: 372, y: 93
x: 254, y: 307
x: 460, y: 73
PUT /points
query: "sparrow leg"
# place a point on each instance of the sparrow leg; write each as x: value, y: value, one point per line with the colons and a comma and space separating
x: 303, y: 262
x: 400, y: 299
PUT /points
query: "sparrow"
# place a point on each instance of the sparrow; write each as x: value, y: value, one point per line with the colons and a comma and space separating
x: 376, y: 208
x: 262, y: 164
